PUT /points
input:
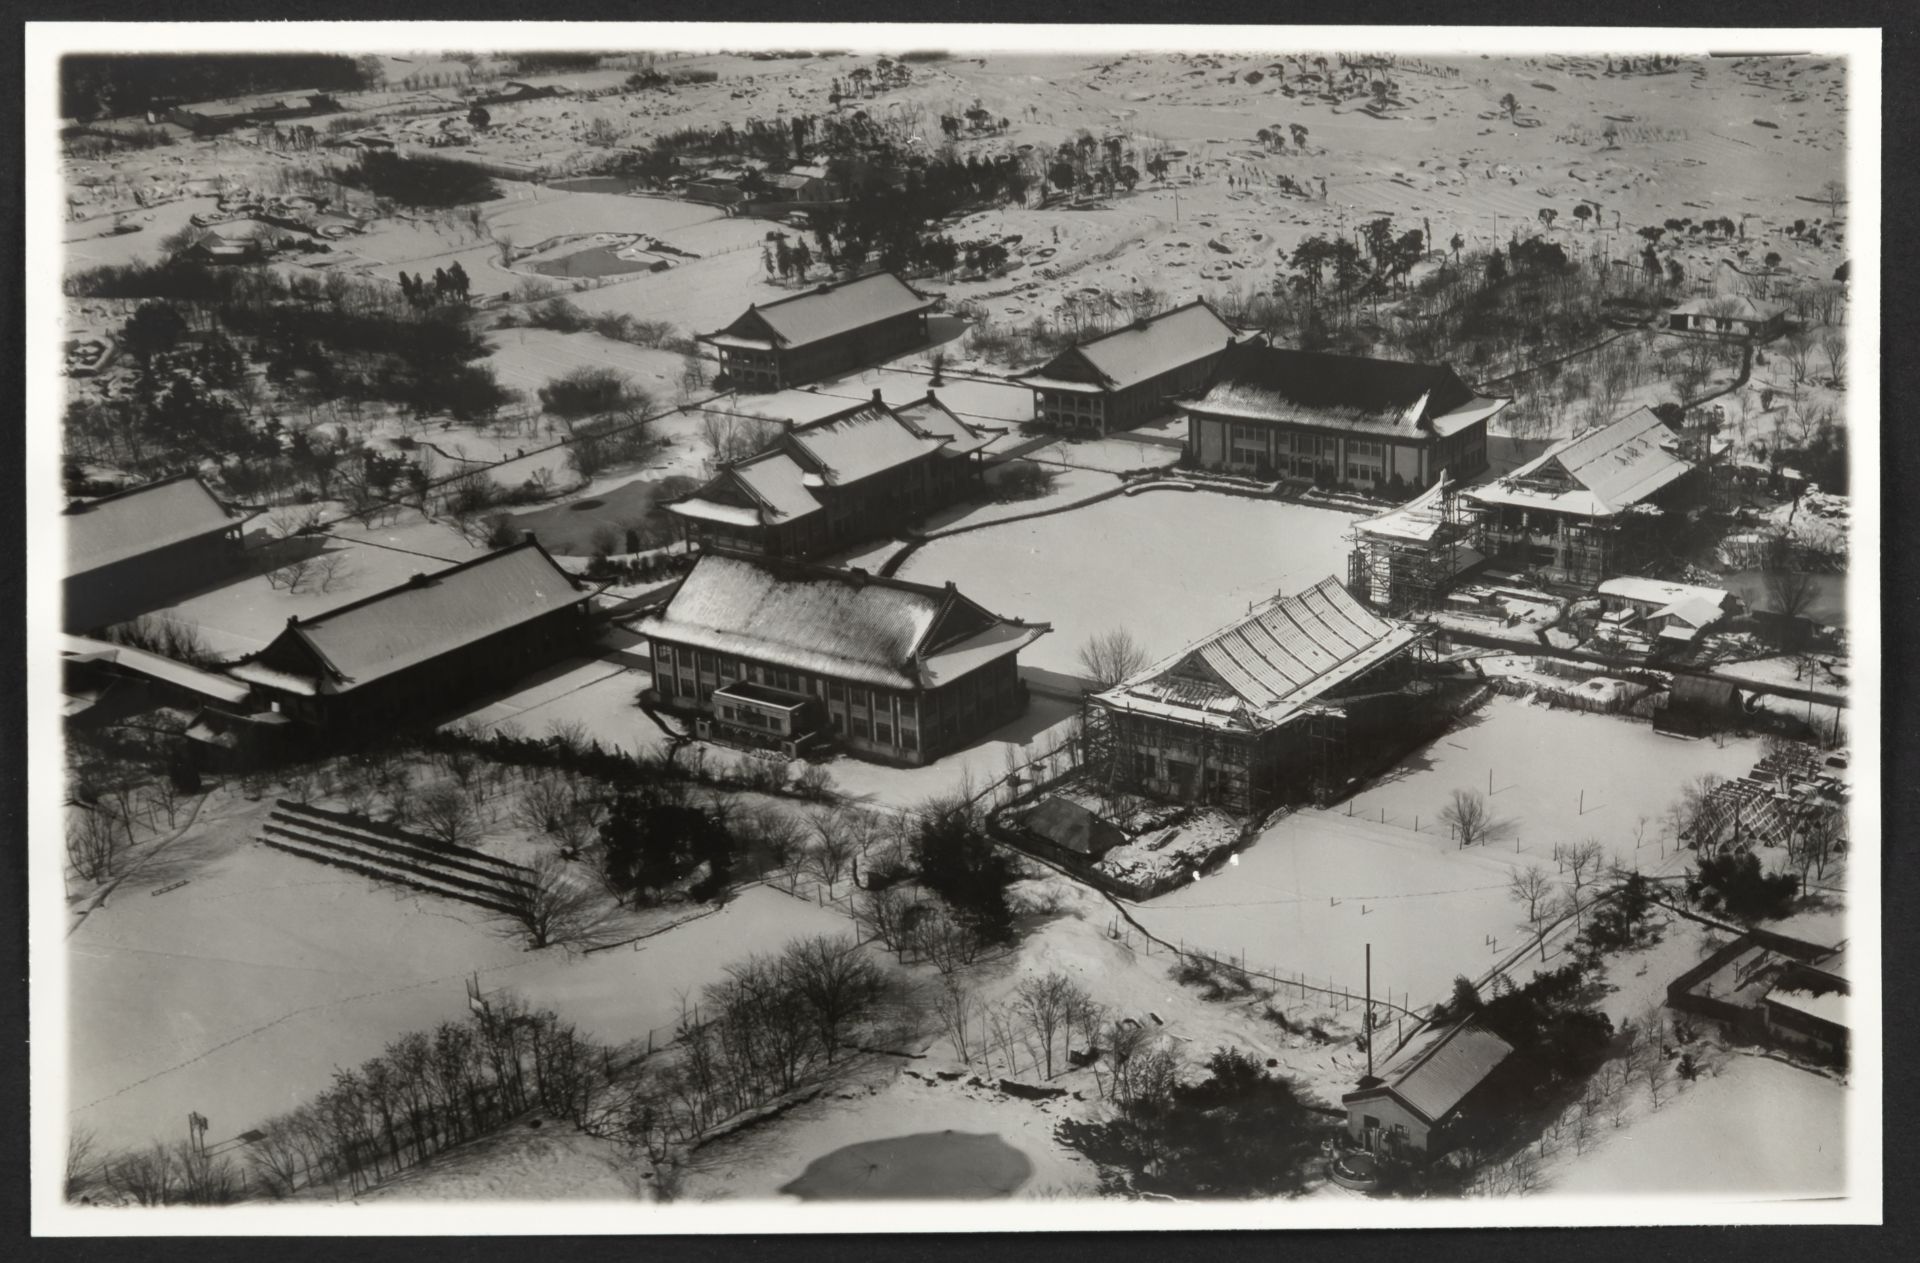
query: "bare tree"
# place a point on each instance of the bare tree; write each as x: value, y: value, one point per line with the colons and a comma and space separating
x: 833, y: 847
x: 93, y: 839
x: 549, y: 905
x: 883, y: 914
x: 1531, y: 886
x: 1110, y: 657
x: 447, y: 813
x: 1583, y: 863
x: 838, y: 982
x: 959, y: 1012
x: 1790, y: 589
x: 1470, y: 820
x: 1834, y: 194
x: 83, y: 1162
x: 944, y: 941
x: 1047, y: 1004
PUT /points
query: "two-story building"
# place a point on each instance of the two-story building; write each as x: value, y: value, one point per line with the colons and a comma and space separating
x: 1283, y: 705
x: 827, y: 330
x: 1133, y: 374
x: 796, y: 657
x: 1340, y: 420
x: 853, y: 475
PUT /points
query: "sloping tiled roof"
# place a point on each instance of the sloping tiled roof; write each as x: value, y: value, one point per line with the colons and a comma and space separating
x: 1613, y: 467
x: 780, y: 481
x: 128, y: 524
x: 832, y: 310
x: 433, y: 614
x: 1436, y: 1075
x: 860, y: 443
x: 1263, y: 670
x: 1341, y: 392
x: 1148, y: 348
x: 931, y: 417
x: 1659, y: 591
x: 839, y: 623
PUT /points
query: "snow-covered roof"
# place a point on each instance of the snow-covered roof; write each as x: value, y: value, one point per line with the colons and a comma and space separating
x: 1732, y: 306
x: 828, y: 311
x: 1694, y: 611
x: 419, y: 620
x: 1660, y: 591
x: 153, y: 666
x: 1142, y: 350
x: 1267, y: 668
x: 844, y: 624
x: 1349, y: 393
x: 1602, y: 472
x: 1419, y: 519
x: 1434, y: 1075
x: 934, y: 419
x: 141, y: 520
x: 860, y: 443
x: 1825, y: 1006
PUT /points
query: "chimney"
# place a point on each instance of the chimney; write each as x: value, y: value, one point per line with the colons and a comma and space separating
x: 933, y: 398
x: 876, y: 396
x: 417, y: 580
x: 293, y: 620
x: 857, y: 575
x: 527, y: 537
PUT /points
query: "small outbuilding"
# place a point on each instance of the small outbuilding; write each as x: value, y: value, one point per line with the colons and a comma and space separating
x: 1415, y: 1100
x: 1071, y: 832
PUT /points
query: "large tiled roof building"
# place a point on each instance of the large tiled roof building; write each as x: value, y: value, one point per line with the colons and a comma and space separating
x: 1124, y: 378
x: 1346, y: 420
x: 1269, y: 709
x: 415, y: 650
x: 852, y: 475
x: 795, y: 656
x: 827, y: 330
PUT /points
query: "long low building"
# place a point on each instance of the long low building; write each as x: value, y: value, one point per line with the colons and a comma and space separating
x: 797, y: 657
x: 1127, y: 377
x: 141, y: 548
x: 1342, y: 420
x: 829, y: 329
x: 411, y: 652
x: 1280, y: 706
x: 856, y: 474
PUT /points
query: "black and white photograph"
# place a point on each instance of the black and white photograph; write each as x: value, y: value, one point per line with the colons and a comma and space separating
x: 641, y: 628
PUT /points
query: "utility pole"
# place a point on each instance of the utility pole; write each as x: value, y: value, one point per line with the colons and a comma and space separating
x: 1369, y: 1010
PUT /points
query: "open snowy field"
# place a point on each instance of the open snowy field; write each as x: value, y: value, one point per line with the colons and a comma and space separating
x: 527, y: 359
x: 1115, y: 454
x: 1754, y: 1128
x: 1319, y: 885
x: 1168, y: 567
x: 237, y: 994
x: 1558, y: 775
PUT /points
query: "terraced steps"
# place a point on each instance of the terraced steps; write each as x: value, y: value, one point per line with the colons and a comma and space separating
x: 389, y: 854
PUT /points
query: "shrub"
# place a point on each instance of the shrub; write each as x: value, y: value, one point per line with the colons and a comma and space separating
x: 419, y: 180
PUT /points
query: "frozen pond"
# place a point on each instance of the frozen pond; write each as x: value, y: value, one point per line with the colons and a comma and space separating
x: 935, y: 1164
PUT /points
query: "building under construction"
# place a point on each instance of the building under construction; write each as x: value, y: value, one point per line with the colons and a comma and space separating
x: 1598, y: 504
x: 1291, y: 703
x: 1405, y: 560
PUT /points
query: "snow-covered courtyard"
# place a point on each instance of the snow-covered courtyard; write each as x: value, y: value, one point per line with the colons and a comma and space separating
x: 1168, y: 567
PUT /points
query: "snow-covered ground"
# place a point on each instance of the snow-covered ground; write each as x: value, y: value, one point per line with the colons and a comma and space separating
x: 1317, y: 887
x: 1558, y: 775
x: 554, y: 1162
x: 1114, y: 454
x: 1753, y: 1128
x: 526, y: 359
x: 1168, y: 567
x: 238, y: 993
